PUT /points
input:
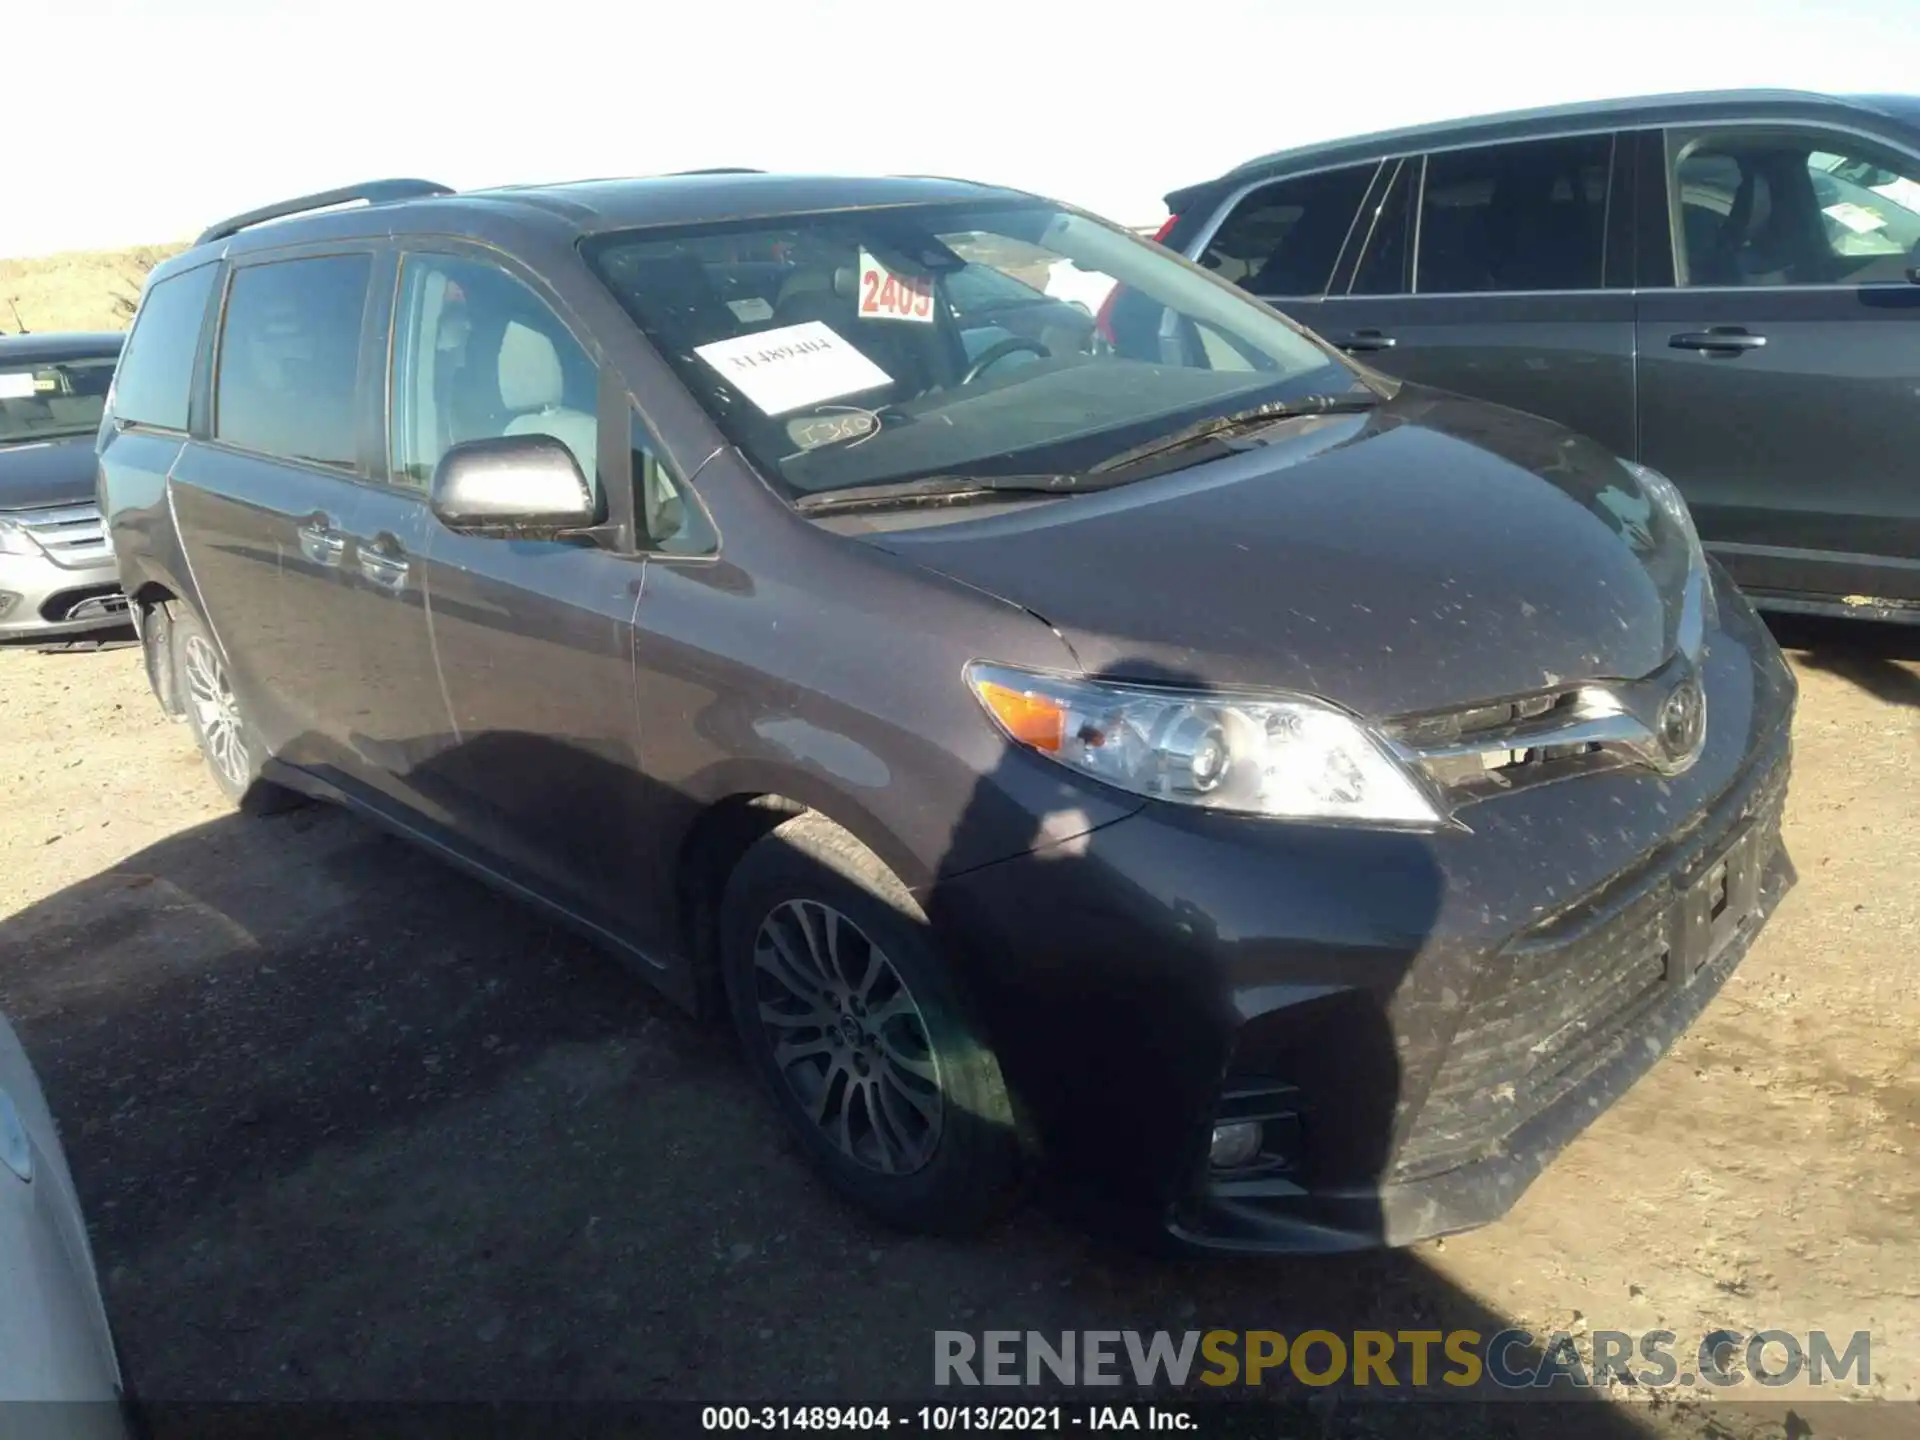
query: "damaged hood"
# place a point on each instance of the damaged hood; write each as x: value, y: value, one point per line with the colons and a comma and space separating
x: 1432, y: 553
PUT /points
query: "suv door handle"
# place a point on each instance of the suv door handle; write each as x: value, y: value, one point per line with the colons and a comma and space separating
x: 1721, y: 340
x: 384, y: 563
x: 319, y: 541
x: 1368, y: 340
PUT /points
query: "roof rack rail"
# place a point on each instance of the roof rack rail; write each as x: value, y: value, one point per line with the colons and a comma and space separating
x: 373, y: 192
x: 721, y: 170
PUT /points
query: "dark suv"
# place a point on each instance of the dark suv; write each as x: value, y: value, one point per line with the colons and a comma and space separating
x: 1718, y: 285
x: 1280, y: 803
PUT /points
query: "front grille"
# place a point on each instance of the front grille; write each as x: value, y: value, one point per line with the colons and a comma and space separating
x: 1562, y: 1000
x: 72, y: 535
x: 1489, y: 749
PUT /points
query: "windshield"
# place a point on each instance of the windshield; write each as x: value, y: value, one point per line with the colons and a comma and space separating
x: 886, y: 344
x: 53, y: 399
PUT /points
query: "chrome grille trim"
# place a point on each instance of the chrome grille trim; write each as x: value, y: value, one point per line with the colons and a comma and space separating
x: 74, y: 536
x: 1488, y: 749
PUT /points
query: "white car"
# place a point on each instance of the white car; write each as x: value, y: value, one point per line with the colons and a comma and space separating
x: 55, y: 1342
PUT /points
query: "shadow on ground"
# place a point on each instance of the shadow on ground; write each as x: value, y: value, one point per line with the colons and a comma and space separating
x: 1883, y: 660
x: 347, y: 1124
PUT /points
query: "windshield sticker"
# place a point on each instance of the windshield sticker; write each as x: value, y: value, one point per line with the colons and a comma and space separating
x: 18, y: 386
x: 812, y: 431
x: 1856, y: 218
x: 793, y: 367
x: 750, y: 310
x: 885, y: 295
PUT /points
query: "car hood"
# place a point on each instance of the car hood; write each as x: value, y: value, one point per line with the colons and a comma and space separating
x: 1432, y: 553
x: 36, y: 473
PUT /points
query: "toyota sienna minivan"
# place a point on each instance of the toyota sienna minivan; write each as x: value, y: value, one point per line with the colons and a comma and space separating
x: 1277, y: 804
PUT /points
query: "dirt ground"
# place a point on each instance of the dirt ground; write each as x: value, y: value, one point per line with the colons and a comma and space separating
x: 348, y: 1125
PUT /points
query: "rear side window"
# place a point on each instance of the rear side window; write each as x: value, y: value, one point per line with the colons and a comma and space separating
x: 289, y: 358
x: 156, y: 369
x: 1385, y: 235
x: 1284, y: 238
x: 1528, y: 216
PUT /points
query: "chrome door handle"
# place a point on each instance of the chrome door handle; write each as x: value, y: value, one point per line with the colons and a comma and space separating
x: 385, y: 570
x: 1729, y: 341
x: 320, y: 542
x: 1367, y: 340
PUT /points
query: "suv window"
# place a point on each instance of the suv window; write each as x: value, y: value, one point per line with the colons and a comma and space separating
x: 479, y: 355
x: 290, y: 358
x: 1526, y: 216
x: 156, y: 368
x: 1793, y: 208
x: 1284, y: 238
x: 1386, y: 235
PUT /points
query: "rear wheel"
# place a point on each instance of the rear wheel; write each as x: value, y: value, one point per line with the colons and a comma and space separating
x: 857, y: 1029
x: 220, y: 727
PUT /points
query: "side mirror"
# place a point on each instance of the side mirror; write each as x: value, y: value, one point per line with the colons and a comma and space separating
x: 528, y: 485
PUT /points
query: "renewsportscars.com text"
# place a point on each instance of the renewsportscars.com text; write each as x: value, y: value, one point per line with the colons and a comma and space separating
x: 1405, y: 1359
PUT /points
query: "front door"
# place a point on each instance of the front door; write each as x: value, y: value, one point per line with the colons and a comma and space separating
x: 533, y: 638
x: 1780, y: 375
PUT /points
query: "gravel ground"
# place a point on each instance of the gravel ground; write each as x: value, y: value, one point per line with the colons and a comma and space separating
x: 348, y: 1125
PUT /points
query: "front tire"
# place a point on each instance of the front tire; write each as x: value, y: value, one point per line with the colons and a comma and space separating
x: 858, y: 1031
x: 228, y: 741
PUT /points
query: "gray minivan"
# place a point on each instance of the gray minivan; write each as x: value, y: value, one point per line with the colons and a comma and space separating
x: 1276, y: 802
x: 1718, y: 285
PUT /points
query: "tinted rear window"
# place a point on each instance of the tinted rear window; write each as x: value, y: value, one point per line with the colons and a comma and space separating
x: 289, y: 358
x: 156, y: 369
x: 1284, y: 238
x: 1526, y: 216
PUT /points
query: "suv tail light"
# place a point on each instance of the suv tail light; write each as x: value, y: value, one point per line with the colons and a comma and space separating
x: 1103, y: 322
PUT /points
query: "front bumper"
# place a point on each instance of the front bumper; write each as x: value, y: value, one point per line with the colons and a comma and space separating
x: 42, y: 600
x: 1422, y: 1020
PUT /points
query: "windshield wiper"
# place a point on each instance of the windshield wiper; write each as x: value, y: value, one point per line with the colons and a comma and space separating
x: 935, y: 490
x: 1220, y: 429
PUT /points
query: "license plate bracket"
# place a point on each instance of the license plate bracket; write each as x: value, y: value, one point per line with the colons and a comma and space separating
x: 1714, y: 905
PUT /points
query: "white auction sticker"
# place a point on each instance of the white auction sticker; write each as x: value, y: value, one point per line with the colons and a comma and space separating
x: 885, y: 295
x: 17, y: 386
x: 793, y: 367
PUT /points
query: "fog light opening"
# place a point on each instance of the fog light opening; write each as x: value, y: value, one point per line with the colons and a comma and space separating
x: 1235, y: 1145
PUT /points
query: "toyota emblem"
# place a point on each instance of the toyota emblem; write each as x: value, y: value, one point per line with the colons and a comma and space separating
x: 1683, y: 723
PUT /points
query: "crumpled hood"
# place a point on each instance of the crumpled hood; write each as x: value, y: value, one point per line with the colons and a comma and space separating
x: 1433, y: 553
x: 36, y: 473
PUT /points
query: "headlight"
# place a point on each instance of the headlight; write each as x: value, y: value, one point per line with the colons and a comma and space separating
x: 1288, y: 757
x: 14, y: 540
x: 1699, y: 608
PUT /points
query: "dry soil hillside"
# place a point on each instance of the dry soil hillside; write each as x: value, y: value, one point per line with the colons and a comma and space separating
x: 81, y: 290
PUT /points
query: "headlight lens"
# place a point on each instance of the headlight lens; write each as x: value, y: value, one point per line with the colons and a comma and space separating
x: 1289, y: 757
x: 1699, y: 608
x: 14, y: 540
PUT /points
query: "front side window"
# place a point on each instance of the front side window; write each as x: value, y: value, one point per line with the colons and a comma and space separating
x: 1781, y: 207
x: 478, y: 355
x: 53, y: 399
x: 859, y: 360
x: 1526, y: 216
x: 290, y: 358
x: 156, y: 368
x: 1284, y: 239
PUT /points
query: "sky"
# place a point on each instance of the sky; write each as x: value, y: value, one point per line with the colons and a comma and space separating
x: 145, y: 120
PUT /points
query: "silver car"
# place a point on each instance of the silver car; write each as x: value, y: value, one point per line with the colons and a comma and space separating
x: 57, y: 578
x: 55, y: 1343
